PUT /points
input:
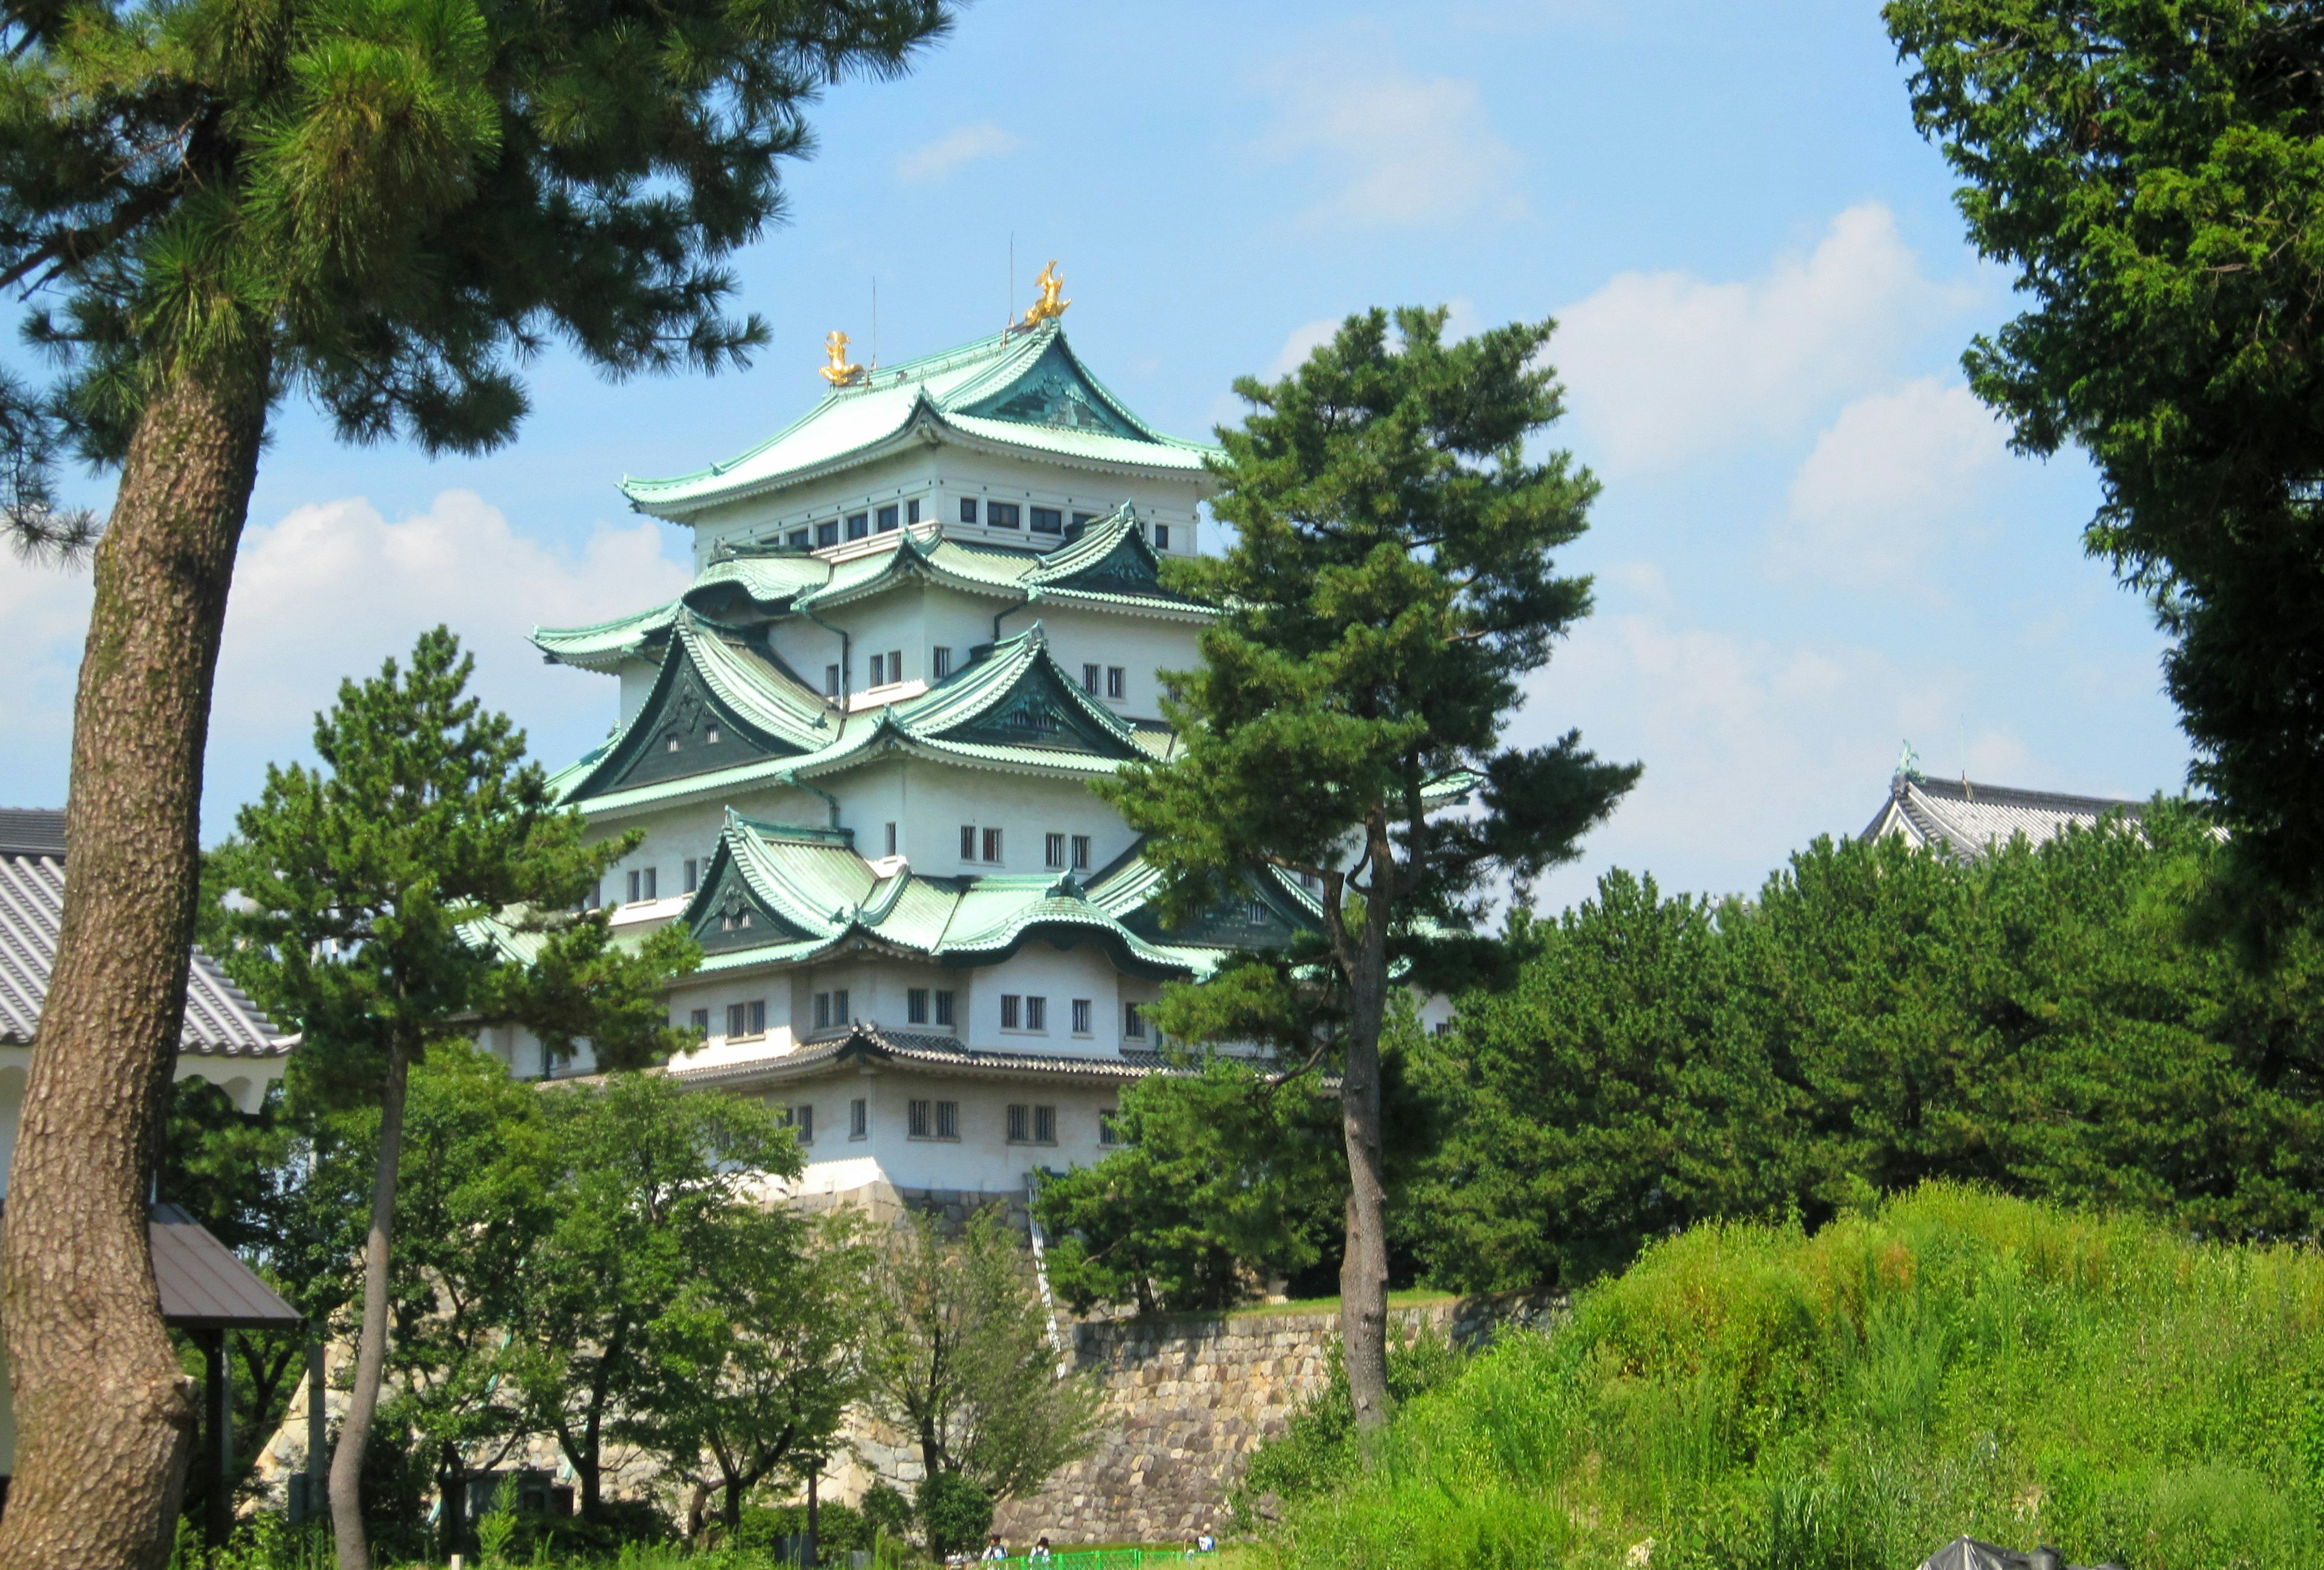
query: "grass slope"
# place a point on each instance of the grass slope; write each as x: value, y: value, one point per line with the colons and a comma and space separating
x: 1749, y: 1396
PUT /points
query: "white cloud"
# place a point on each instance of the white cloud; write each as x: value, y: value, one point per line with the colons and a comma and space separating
x: 1665, y: 366
x: 1753, y: 746
x: 1401, y: 150
x: 1891, y: 484
x: 1304, y: 341
x: 330, y: 591
x: 935, y: 160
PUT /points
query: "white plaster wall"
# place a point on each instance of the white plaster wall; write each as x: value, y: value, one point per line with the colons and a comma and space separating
x: 980, y: 1159
x: 637, y: 677
x: 938, y: 478
x: 930, y: 801
x: 1039, y: 970
x: 1141, y: 646
x: 673, y: 835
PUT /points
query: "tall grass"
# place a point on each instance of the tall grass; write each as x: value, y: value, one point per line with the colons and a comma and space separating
x: 1751, y: 1398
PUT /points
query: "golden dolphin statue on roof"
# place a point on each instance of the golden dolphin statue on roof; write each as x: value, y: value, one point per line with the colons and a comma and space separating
x: 841, y: 371
x: 1048, y: 302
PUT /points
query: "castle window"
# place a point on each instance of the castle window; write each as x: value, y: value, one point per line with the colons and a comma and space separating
x: 1021, y: 1123
x: 830, y: 681
x: 916, y: 1006
x: 634, y: 896
x: 1108, y: 1132
x: 827, y: 533
x: 1000, y: 515
x: 943, y: 1009
x: 993, y: 845
x: 895, y: 665
x: 1054, y: 852
x: 1081, y: 852
x: 698, y: 1021
x: 941, y: 662
x: 670, y: 742
x: 710, y: 735
x: 892, y: 840
x: 1133, y: 1022
x: 747, y: 1019
x: 916, y: 1121
x: 879, y: 670
x: 841, y: 1014
x: 1117, y: 681
x: 799, y: 539
x: 1081, y: 1016
x: 693, y: 874
x: 947, y: 1120
x: 1047, y: 520
x: 801, y: 1119
x: 1045, y: 1125
x: 887, y: 520
x: 1161, y: 537
x: 968, y: 509
x: 823, y: 1010
x: 1012, y: 1010
x: 912, y: 510
x: 1089, y: 679
x: 859, y: 1118
x: 968, y: 842
x: 1255, y: 914
x: 1037, y: 1013
x: 859, y: 524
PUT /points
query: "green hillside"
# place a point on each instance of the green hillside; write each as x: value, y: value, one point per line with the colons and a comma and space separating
x: 1749, y: 1396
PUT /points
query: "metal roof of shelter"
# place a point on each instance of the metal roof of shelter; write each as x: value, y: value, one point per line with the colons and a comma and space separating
x: 203, y: 1286
x: 220, y: 1017
x: 1965, y: 819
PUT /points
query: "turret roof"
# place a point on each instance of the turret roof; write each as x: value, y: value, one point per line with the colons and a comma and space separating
x: 1021, y: 391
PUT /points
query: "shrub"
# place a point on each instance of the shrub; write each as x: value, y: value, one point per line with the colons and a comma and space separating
x: 1752, y: 1398
x: 955, y: 1513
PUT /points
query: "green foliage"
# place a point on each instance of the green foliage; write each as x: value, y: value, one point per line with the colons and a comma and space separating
x: 2153, y: 173
x: 2044, y: 1021
x: 956, y: 1354
x: 839, y: 1528
x: 387, y: 206
x: 496, y: 1526
x: 1318, y: 1449
x: 955, y: 1511
x: 1752, y: 1397
x: 885, y: 1510
x: 1228, y: 1180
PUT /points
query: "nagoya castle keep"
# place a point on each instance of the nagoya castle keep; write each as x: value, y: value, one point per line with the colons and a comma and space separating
x: 925, y: 616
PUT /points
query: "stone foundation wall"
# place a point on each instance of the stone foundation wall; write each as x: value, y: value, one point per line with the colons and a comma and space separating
x: 1187, y: 1400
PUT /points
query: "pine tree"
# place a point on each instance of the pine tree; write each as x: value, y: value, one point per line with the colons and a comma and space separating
x: 367, y: 879
x: 1389, y: 586
x: 386, y: 206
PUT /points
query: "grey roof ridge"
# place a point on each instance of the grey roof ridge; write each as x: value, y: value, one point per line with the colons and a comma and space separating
x: 1974, y: 792
x: 914, y: 1051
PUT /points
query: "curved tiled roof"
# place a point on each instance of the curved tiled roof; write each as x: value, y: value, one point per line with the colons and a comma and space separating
x: 1967, y: 819
x: 869, y: 1044
x: 220, y: 1018
x: 1024, y: 391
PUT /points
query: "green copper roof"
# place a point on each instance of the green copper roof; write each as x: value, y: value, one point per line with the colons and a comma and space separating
x: 605, y: 646
x: 1027, y: 391
x: 775, y: 894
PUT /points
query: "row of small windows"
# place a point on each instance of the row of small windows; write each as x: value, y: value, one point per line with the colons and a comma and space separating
x: 1059, y: 851
x: 991, y: 514
x: 645, y: 883
x: 923, y: 1006
x: 1028, y: 1122
x: 888, y: 670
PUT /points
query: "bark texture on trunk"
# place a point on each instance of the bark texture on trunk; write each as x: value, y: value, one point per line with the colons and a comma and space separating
x: 371, y: 1340
x: 105, y: 1416
x: 1363, y: 1271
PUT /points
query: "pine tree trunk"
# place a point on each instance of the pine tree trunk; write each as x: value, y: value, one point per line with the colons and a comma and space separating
x: 371, y: 1340
x: 1363, y: 1271
x: 105, y: 1416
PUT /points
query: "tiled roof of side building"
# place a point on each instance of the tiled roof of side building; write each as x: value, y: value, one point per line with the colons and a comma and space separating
x: 1965, y: 818
x: 220, y: 1018
x: 1019, y: 390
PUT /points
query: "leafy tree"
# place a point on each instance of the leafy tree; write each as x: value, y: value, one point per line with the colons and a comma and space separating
x: 2152, y: 172
x: 367, y: 879
x: 1227, y: 1178
x: 1602, y: 1100
x: 387, y: 207
x: 955, y: 1512
x: 660, y: 1225
x: 957, y: 1352
x: 2042, y: 1022
x: 749, y: 1372
x: 1389, y: 585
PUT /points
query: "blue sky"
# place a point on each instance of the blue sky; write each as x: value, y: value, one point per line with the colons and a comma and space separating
x: 1811, y: 546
